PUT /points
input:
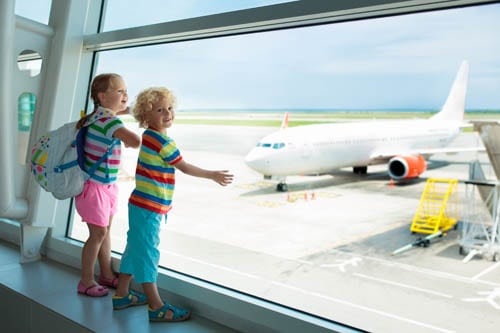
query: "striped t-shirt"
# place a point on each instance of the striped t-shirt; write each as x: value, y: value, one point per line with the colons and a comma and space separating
x: 155, y: 172
x: 103, y: 124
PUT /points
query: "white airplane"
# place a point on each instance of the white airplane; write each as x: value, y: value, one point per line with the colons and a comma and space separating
x: 323, y: 148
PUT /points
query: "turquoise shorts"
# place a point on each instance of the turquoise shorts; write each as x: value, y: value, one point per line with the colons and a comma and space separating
x: 141, y: 256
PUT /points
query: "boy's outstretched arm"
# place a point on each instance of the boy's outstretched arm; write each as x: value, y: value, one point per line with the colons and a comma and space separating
x: 222, y: 177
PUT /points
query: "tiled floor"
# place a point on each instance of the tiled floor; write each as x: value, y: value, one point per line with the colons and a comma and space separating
x: 54, y: 286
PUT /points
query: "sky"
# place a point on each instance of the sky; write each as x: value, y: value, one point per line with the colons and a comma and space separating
x: 401, y: 62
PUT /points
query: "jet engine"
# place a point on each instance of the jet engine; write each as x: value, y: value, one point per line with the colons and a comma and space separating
x: 406, y: 167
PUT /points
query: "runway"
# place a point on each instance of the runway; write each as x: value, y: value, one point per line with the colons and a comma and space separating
x: 325, y: 246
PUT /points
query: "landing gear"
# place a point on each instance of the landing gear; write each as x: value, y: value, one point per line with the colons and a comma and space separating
x: 282, y: 187
x: 360, y: 170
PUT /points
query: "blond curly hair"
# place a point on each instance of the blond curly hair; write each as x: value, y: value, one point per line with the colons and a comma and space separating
x: 145, y: 101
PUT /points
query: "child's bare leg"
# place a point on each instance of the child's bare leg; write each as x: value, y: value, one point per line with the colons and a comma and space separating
x: 124, y: 297
x: 90, y: 252
x: 154, y: 300
x: 123, y: 284
x: 104, y: 255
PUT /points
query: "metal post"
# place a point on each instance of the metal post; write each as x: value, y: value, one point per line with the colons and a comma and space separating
x: 10, y: 206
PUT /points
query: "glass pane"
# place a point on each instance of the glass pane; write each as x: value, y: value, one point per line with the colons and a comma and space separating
x: 157, y: 11
x: 34, y: 10
x: 325, y: 246
x: 30, y: 62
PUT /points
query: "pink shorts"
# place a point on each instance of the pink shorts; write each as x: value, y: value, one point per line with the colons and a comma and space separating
x: 97, y: 203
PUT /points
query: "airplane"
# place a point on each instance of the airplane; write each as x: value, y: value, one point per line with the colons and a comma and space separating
x: 323, y: 148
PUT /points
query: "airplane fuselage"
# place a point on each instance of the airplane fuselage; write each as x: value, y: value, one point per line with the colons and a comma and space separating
x: 317, y: 149
x: 402, y: 144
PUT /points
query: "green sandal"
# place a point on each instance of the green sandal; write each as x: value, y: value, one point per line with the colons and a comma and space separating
x: 127, y: 301
x: 169, y: 313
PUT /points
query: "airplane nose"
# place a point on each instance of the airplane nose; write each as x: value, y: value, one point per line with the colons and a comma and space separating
x: 254, y: 161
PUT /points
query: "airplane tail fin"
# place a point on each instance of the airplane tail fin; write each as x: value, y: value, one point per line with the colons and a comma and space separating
x: 454, y: 107
x: 284, y: 122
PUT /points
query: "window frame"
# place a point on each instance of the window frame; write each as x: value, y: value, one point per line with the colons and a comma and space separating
x: 272, y: 17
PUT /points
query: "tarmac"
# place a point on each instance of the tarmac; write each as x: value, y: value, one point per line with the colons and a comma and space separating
x: 326, y: 246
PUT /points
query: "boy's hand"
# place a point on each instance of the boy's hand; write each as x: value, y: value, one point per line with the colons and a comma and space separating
x: 222, y: 177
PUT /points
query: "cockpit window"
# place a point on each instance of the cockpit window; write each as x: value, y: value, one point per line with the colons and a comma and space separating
x: 269, y: 145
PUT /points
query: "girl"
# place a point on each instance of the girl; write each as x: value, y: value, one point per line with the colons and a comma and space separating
x: 97, y: 202
x: 150, y: 201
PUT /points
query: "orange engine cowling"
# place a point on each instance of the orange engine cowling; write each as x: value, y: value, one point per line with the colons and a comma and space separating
x: 406, y: 167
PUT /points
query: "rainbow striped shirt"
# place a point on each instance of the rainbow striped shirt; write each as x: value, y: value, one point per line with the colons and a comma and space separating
x: 103, y: 125
x: 155, y: 172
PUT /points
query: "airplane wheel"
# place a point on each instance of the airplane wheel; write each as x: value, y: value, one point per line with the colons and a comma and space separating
x: 360, y: 170
x: 281, y: 187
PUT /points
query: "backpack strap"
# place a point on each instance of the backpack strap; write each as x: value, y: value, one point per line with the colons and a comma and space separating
x: 108, y: 152
x: 62, y: 167
x: 80, y: 139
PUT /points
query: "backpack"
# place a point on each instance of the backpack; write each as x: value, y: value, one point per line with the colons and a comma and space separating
x: 58, y: 161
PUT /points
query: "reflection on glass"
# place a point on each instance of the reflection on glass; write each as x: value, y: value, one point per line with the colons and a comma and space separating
x: 26, y: 106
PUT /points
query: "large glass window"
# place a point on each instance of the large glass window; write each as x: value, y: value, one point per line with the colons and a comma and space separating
x: 34, y: 10
x: 325, y: 246
x: 158, y: 11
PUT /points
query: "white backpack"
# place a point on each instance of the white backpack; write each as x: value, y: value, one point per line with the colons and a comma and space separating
x: 57, y: 161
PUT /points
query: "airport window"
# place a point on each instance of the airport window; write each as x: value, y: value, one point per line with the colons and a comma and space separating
x: 302, y: 248
x: 170, y: 10
x: 34, y: 10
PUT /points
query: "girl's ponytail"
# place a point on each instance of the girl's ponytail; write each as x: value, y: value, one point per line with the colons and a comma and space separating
x: 84, y: 119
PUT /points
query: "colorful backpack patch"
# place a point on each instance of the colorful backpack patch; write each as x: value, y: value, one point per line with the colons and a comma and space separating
x: 57, y: 161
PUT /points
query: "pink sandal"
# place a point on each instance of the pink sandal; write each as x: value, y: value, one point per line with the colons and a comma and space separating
x: 92, y: 291
x: 109, y: 282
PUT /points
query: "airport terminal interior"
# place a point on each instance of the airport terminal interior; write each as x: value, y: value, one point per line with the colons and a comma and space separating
x: 328, y: 253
